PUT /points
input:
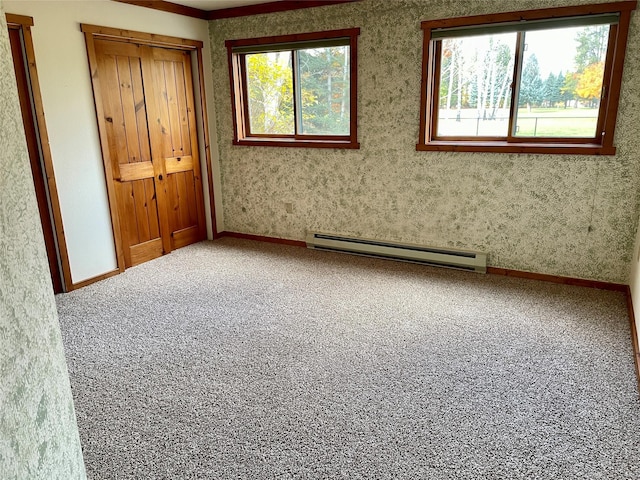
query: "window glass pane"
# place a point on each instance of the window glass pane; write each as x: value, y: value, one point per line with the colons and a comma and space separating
x: 561, y: 82
x: 324, y: 90
x: 475, y: 85
x: 270, y: 86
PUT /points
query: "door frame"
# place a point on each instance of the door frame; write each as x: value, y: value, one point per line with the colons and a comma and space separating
x: 24, y: 24
x: 93, y: 32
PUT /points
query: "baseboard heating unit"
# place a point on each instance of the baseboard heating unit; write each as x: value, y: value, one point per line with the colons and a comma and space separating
x: 438, y: 257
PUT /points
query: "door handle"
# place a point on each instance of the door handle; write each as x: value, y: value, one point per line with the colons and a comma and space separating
x: 160, y: 177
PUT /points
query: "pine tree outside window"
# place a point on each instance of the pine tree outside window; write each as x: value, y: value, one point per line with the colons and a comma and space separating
x: 537, y: 81
x: 295, y: 90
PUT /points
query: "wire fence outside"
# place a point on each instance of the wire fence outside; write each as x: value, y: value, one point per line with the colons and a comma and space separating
x: 526, y: 126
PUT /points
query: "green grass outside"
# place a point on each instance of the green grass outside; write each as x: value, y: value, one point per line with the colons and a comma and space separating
x: 559, y: 112
x: 557, y: 122
x: 537, y: 122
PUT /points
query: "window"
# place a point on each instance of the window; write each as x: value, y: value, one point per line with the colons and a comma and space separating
x: 537, y: 81
x: 295, y: 90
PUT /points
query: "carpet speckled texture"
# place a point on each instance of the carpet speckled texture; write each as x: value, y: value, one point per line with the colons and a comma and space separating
x: 240, y: 360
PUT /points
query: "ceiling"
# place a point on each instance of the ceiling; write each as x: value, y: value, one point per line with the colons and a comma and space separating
x: 218, y: 4
x: 217, y: 9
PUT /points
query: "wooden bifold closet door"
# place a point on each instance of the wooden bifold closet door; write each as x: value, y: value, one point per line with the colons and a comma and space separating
x: 149, y: 120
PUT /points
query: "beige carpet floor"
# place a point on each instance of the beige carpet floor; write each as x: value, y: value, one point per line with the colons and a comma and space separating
x: 240, y: 360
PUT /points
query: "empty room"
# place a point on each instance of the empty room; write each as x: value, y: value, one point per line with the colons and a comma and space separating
x: 319, y: 239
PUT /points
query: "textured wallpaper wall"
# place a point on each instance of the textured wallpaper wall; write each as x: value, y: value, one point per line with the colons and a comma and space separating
x: 563, y: 215
x: 38, y: 433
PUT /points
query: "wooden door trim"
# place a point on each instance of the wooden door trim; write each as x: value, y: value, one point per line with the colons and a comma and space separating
x: 132, y: 36
x: 25, y: 23
x: 93, y: 32
x: 207, y: 144
x: 17, y: 21
x: 195, y: 149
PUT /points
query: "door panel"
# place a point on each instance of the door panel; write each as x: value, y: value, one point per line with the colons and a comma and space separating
x: 125, y: 112
x: 150, y: 126
x: 172, y: 73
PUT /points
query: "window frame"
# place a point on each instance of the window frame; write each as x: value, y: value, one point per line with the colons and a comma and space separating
x: 600, y: 144
x: 239, y: 99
